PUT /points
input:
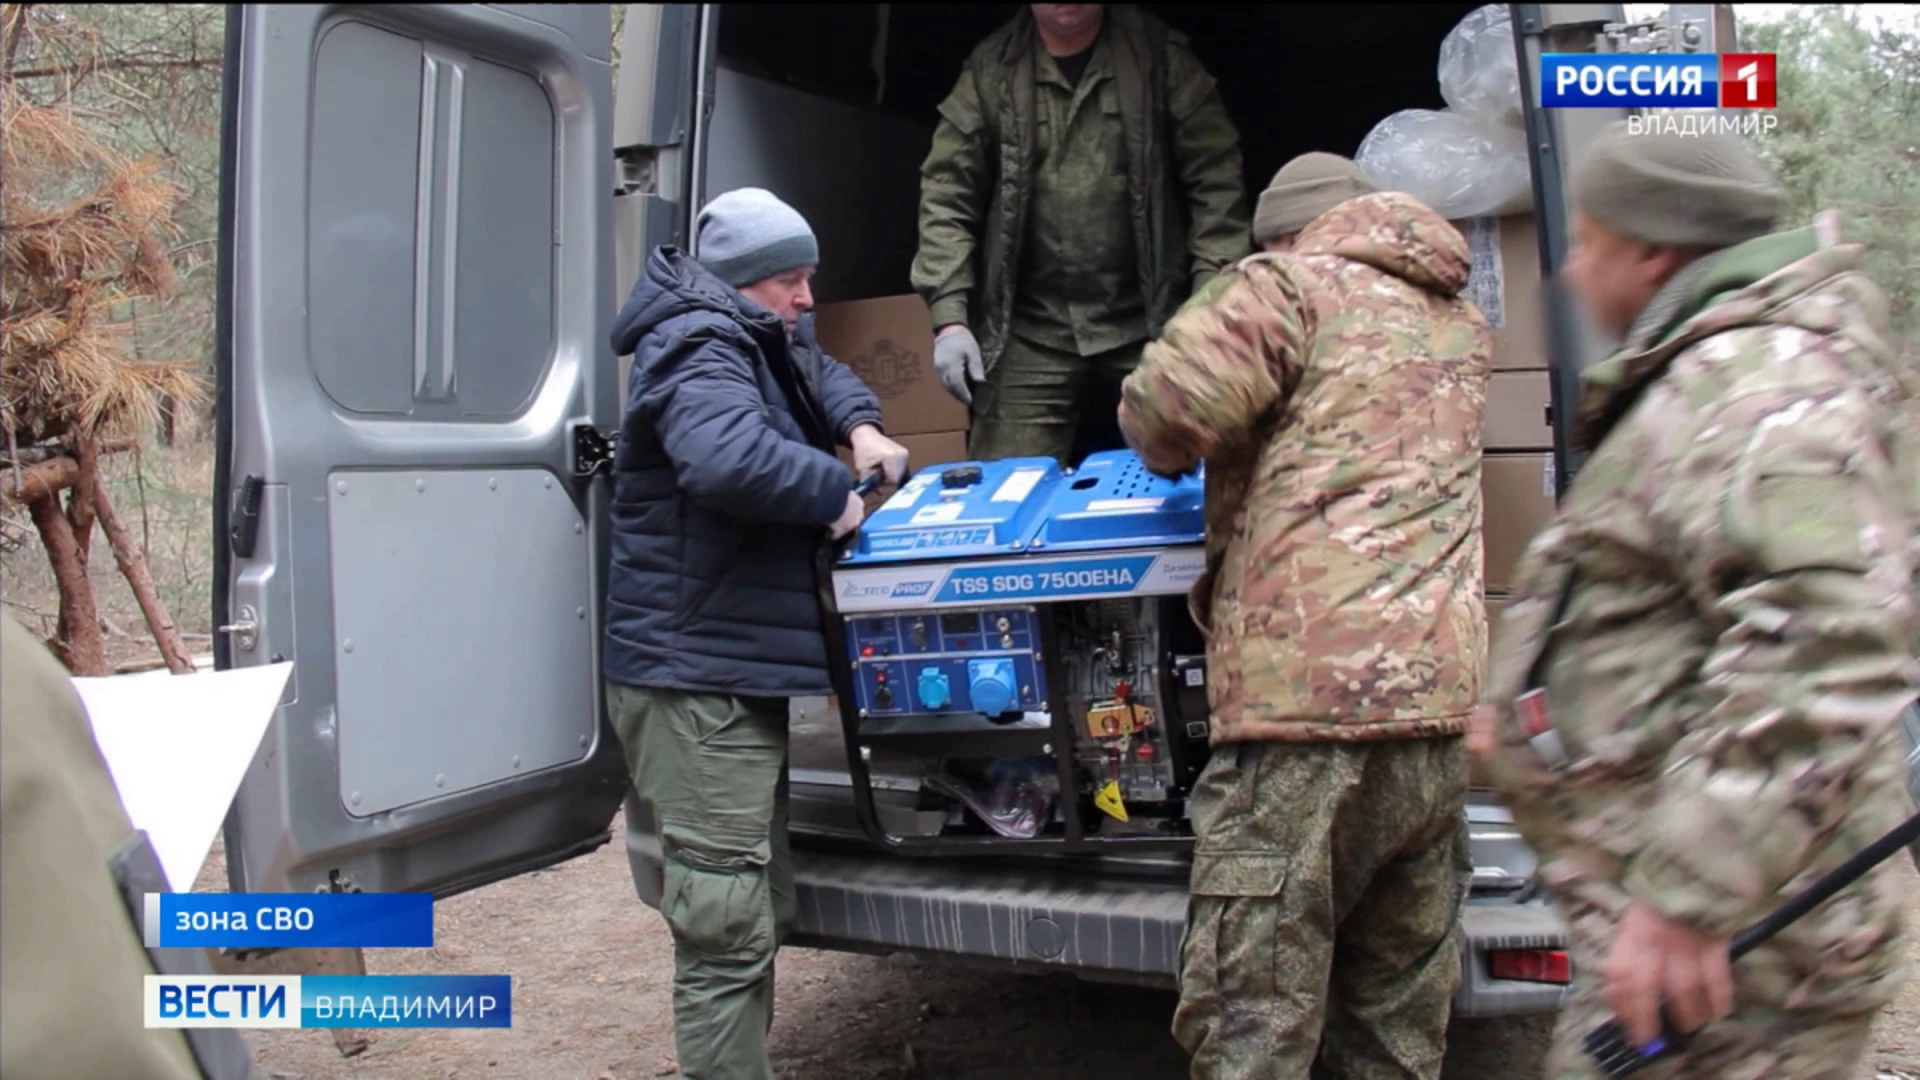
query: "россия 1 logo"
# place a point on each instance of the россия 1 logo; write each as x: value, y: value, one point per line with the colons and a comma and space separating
x: 1657, y: 80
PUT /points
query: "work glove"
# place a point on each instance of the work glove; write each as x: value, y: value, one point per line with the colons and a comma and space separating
x: 874, y: 452
x: 851, y: 517
x: 956, y: 359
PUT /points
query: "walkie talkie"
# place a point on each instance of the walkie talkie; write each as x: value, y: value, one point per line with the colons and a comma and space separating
x: 1616, y: 1055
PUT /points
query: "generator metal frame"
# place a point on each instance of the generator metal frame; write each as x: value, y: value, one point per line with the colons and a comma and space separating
x: 1057, y: 740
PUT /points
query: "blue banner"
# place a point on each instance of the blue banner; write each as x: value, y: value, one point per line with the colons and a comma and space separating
x: 406, y: 1001
x: 329, y: 1001
x: 289, y: 920
x: 1629, y: 80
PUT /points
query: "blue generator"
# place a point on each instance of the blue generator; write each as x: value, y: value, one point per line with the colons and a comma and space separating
x: 1015, y: 639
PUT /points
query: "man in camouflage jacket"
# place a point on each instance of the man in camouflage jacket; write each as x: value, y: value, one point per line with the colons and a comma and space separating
x: 1083, y: 179
x: 1694, y: 694
x: 1335, y: 392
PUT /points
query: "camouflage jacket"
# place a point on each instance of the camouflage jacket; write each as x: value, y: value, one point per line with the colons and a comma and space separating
x: 1190, y: 216
x: 1728, y: 590
x: 1336, y: 393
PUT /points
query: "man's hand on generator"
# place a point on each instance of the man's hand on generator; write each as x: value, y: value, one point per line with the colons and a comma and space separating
x: 851, y: 517
x: 874, y: 452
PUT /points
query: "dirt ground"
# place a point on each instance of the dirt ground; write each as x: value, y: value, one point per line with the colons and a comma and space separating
x: 591, y: 968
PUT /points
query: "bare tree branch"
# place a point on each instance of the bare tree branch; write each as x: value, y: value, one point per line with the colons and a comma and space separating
x: 81, y: 69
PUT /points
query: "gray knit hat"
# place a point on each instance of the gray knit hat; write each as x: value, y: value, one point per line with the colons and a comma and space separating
x: 1303, y: 189
x: 1698, y: 191
x: 747, y: 235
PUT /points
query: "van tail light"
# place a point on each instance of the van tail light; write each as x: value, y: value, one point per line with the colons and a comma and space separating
x: 1530, y: 965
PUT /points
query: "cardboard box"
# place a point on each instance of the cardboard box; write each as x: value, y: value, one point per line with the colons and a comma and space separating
x: 939, y: 448
x: 1506, y: 285
x: 888, y: 342
x: 1516, y: 492
x: 1516, y: 417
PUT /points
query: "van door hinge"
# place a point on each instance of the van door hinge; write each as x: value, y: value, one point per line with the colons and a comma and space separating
x: 592, y: 451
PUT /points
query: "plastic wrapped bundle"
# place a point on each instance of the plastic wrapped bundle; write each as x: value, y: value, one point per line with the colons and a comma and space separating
x: 1459, y: 167
x: 1479, y: 71
x: 1469, y: 159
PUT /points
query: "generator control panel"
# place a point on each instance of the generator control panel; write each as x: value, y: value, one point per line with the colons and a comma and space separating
x: 987, y: 661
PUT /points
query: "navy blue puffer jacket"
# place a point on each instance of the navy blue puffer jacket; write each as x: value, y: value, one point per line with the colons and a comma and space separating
x: 724, y: 485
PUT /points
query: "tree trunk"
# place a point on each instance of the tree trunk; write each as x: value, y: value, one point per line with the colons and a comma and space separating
x: 46, y: 479
x: 80, y: 498
x: 134, y: 565
x: 80, y: 645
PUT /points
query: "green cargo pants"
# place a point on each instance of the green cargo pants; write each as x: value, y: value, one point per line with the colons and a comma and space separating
x: 713, y: 769
x: 1323, y: 929
x: 1041, y: 402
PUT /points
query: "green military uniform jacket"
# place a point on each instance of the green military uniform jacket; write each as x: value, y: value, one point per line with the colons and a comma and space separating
x: 1699, y: 676
x: 72, y: 965
x: 1184, y: 178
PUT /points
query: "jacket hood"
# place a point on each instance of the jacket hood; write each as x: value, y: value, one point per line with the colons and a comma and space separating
x: 673, y: 284
x: 1395, y: 233
x: 1783, y: 279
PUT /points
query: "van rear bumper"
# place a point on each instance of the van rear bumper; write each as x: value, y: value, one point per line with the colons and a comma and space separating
x: 1105, y: 928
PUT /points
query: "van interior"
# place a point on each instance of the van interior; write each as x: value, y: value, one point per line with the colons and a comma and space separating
x: 833, y: 105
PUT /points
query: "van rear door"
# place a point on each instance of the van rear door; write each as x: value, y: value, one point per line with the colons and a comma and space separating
x: 416, y: 280
x: 1554, y: 139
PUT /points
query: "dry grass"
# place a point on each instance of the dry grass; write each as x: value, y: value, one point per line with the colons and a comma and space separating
x: 165, y: 496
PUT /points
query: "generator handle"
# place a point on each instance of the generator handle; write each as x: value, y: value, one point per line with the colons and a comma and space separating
x: 865, y: 486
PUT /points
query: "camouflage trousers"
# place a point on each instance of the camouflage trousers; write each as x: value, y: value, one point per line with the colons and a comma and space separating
x: 713, y: 770
x: 1042, y: 402
x: 1823, y: 1038
x: 1323, y: 930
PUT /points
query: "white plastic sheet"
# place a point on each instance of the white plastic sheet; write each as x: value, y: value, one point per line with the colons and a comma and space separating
x: 1460, y: 168
x: 1469, y: 159
x: 178, y: 747
x: 1479, y: 71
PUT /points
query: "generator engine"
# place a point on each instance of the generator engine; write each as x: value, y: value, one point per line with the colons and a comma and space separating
x: 1021, y: 632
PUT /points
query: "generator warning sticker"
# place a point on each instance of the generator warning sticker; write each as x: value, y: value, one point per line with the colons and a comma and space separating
x: 945, y: 513
x: 1018, y: 486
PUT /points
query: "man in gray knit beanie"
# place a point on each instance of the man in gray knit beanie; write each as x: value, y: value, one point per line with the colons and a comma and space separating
x: 725, y: 489
x: 1693, y: 705
x: 748, y: 235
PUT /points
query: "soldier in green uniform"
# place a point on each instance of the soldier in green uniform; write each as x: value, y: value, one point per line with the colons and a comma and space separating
x: 72, y: 966
x: 1693, y: 699
x: 1083, y: 180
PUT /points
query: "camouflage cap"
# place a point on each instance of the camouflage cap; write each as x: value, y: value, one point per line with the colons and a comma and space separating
x: 1698, y: 191
x: 1303, y: 189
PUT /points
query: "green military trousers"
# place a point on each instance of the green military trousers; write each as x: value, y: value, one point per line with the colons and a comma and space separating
x: 713, y: 769
x: 1323, y: 932
x: 1042, y: 402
